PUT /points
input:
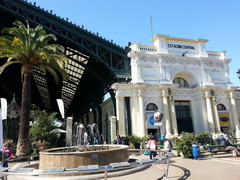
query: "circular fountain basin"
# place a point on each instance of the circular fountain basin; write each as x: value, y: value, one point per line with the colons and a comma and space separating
x: 56, y: 157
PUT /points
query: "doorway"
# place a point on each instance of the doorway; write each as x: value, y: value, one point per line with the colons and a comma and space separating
x: 183, y: 115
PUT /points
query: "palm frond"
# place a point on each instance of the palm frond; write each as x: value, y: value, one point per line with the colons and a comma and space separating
x: 4, y: 66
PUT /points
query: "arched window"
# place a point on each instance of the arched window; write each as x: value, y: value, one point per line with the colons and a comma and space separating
x: 221, y: 107
x: 151, y: 107
x: 182, y: 82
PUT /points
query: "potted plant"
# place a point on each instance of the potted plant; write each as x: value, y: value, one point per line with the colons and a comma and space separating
x: 184, y: 144
x: 204, y: 138
x: 137, y: 141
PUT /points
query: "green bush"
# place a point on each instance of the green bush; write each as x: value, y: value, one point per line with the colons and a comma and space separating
x: 40, y: 131
x: 184, y: 144
x: 204, y: 135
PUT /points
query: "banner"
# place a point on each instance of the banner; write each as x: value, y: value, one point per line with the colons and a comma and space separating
x: 4, y: 108
x: 61, y: 107
x: 1, y: 131
x: 3, y: 115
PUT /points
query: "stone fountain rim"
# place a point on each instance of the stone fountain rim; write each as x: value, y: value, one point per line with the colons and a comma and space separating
x: 119, y: 147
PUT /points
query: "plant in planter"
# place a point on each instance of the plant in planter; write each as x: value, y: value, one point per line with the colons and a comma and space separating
x: 184, y: 144
x: 137, y: 141
x: 41, y: 135
x: 204, y: 138
x: 126, y: 140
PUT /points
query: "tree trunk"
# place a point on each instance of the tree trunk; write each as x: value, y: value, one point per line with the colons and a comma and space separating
x: 23, y: 145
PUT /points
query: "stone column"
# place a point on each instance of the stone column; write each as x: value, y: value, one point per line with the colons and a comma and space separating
x: 173, y: 118
x: 216, y: 116
x: 120, y: 115
x: 204, y: 110
x: 166, y: 115
x: 135, y: 114
x: 69, y: 134
x: 142, y: 121
x: 209, y: 112
x: 113, y: 128
x: 234, y: 115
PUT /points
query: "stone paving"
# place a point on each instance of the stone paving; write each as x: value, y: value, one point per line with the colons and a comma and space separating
x: 221, y: 167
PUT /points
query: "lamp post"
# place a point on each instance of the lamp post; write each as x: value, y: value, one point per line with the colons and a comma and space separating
x: 238, y: 73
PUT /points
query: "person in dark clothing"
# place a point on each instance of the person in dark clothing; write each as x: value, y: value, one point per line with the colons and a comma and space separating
x: 230, y: 147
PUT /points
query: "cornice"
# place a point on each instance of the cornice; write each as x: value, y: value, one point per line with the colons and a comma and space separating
x: 185, y: 90
x: 142, y: 55
x: 167, y: 37
x: 232, y: 88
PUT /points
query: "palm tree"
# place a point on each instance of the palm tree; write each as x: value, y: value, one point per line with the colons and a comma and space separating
x: 30, y: 47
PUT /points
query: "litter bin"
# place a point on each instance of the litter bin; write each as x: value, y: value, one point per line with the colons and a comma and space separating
x: 195, y: 151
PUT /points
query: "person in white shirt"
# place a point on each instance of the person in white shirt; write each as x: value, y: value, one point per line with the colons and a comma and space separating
x: 167, y: 145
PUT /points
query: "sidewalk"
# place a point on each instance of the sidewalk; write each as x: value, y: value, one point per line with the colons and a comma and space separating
x: 221, y: 167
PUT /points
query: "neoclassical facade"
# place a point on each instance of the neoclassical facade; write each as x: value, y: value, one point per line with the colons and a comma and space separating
x: 187, y: 83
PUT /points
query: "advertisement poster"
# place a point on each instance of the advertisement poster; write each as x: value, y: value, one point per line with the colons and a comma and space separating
x: 150, y: 120
x: 224, y: 119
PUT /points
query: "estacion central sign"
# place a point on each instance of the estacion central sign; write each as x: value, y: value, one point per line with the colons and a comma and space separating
x: 181, y: 46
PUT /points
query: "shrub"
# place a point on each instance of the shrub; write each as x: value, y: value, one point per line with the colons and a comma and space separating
x: 184, y: 144
x: 41, y: 128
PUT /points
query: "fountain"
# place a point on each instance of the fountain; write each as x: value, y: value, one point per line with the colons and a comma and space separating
x: 84, y: 151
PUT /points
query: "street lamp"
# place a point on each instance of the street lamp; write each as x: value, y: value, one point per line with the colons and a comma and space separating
x: 238, y: 73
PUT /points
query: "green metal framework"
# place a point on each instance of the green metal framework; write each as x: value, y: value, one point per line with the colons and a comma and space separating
x: 94, y: 63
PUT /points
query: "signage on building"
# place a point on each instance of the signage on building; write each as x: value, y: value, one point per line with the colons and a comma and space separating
x: 158, y: 116
x: 224, y: 119
x: 181, y: 46
x: 150, y: 121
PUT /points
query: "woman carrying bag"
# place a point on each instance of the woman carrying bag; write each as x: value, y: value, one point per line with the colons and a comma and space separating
x: 152, y: 145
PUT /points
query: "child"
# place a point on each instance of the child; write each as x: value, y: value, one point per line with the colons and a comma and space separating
x: 7, y: 154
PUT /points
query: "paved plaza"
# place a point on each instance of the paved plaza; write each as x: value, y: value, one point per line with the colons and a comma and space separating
x: 221, y: 167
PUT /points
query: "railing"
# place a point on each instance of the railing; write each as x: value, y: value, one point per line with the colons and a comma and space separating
x: 23, y: 157
x: 89, y: 169
x: 147, y: 49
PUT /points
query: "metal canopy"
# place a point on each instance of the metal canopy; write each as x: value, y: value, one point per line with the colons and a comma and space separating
x: 94, y: 63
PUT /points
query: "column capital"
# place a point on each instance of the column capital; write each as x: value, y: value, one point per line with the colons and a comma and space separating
x: 140, y: 93
x: 165, y: 93
x: 207, y: 94
x: 113, y: 119
x: 232, y: 95
x: 118, y: 94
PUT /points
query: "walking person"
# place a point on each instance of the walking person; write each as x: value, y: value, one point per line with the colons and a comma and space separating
x: 152, y: 145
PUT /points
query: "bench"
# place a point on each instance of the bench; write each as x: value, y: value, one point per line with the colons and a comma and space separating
x: 212, y: 149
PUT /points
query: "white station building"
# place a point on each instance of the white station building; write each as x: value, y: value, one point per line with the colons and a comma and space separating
x: 182, y: 79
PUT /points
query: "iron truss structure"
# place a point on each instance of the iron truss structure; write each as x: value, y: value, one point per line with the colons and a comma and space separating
x: 94, y: 63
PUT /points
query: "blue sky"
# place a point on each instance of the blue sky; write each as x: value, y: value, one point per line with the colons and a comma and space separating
x: 126, y: 21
